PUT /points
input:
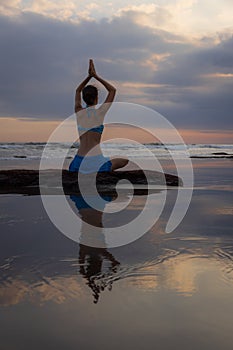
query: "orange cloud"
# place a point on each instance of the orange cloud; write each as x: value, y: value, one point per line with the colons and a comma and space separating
x: 29, y: 130
x: 25, y: 130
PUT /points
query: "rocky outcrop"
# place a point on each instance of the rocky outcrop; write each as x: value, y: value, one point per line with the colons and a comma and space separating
x: 216, y: 155
x: 27, y: 181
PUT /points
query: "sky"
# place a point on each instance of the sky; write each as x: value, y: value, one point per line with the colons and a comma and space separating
x: 174, y: 56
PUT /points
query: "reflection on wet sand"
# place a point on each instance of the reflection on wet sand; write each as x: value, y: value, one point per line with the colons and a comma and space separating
x: 178, y: 270
x: 18, y: 289
x: 43, y: 266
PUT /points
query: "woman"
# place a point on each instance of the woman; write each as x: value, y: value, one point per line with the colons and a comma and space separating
x: 89, y: 158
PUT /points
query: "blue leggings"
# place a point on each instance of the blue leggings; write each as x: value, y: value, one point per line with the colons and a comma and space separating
x: 82, y: 204
x: 90, y: 164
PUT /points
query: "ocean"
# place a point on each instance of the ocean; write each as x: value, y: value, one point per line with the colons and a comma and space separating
x: 32, y: 151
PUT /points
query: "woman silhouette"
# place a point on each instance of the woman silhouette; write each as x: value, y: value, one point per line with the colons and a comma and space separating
x: 97, y: 265
x: 89, y: 158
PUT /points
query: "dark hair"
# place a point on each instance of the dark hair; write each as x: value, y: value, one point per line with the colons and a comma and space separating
x: 90, y: 94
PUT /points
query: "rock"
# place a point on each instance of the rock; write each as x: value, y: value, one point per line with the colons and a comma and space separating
x: 20, y: 157
x: 215, y: 156
x: 220, y: 153
x: 27, y: 181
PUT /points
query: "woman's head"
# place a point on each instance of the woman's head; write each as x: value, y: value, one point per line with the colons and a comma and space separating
x: 90, y: 95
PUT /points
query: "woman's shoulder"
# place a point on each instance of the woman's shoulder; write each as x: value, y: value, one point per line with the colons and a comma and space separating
x: 79, y: 109
x: 103, y: 109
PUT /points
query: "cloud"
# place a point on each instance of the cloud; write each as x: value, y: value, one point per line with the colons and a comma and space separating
x: 149, y: 15
x: 43, y: 59
x: 185, y: 17
x: 59, y: 9
x: 196, y: 84
x: 11, y: 8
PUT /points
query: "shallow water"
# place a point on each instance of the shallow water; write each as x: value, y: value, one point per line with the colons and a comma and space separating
x: 165, y: 291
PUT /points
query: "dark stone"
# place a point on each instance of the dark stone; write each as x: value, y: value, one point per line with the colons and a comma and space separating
x: 20, y: 157
x: 215, y: 156
x: 27, y: 181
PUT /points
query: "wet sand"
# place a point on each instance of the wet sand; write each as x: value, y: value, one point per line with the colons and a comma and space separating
x: 166, y: 291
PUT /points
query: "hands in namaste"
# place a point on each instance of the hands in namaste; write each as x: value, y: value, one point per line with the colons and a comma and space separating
x: 91, y: 70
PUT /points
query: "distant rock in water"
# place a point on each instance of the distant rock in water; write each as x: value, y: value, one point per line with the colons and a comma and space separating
x: 27, y: 181
x: 20, y: 156
x: 215, y: 155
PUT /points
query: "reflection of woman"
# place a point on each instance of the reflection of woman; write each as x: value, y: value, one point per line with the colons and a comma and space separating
x: 90, y: 127
x: 91, y: 259
x: 90, y: 262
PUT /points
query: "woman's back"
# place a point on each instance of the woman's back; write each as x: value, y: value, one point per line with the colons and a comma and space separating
x: 90, y: 128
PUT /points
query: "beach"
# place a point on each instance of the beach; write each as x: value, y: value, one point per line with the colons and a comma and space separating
x: 165, y: 290
x: 116, y: 168
x: 138, y: 256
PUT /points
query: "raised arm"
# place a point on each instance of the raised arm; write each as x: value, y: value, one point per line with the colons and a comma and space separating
x: 78, y: 99
x: 111, y: 89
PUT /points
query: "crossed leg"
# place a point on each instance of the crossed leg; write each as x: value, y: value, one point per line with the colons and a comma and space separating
x: 118, y: 163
